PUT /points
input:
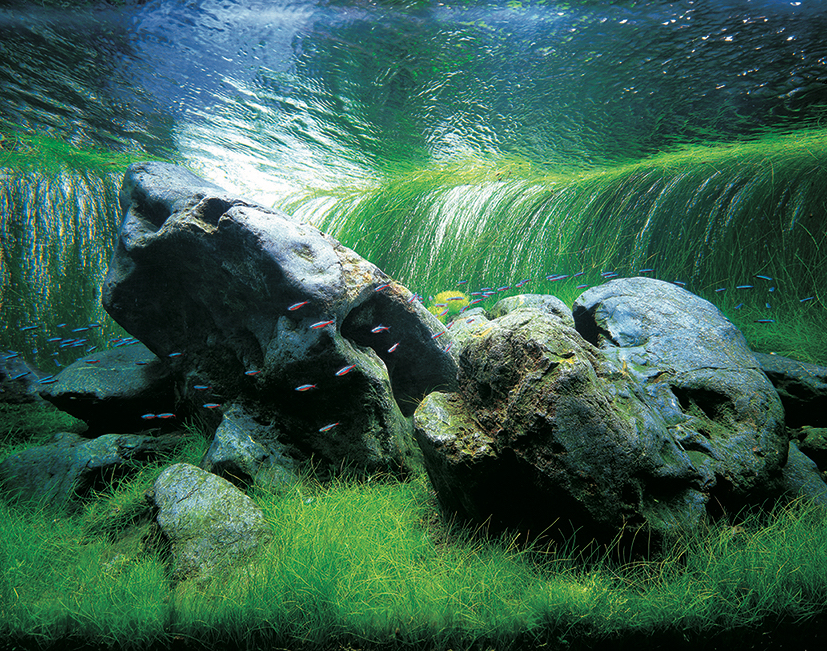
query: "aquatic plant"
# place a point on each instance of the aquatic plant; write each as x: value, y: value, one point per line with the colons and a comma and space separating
x: 448, y: 304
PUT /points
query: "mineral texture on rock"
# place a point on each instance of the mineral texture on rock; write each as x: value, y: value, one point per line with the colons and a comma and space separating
x: 208, y: 524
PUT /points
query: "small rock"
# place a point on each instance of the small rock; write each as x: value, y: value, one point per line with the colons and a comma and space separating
x: 112, y: 390
x: 801, y: 386
x: 71, y: 467
x: 208, y: 523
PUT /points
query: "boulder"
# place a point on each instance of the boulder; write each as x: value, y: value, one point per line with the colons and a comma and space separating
x: 544, y: 434
x: 206, y: 523
x: 698, y: 371
x: 801, y: 386
x: 542, y: 302
x: 326, y: 352
x: 71, y: 466
x: 118, y: 390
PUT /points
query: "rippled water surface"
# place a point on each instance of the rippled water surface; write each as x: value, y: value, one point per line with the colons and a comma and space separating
x: 269, y: 97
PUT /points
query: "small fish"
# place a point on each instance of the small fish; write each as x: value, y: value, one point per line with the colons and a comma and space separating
x: 768, y: 306
x: 579, y: 273
x: 11, y: 355
x: 380, y: 328
x: 438, y: 334
x: 322, y: 324
x: 581, y: 287
x: 19, y: 375
x: 327, y: 428
x: 175, y: 354
x: 29, y: 327
x: 149, y: 416
x: 720, y: 289
x: 504, y: 288
x: 60, y: 325
x: 305, y: 387
x: 379, y: 288
x: 53, y: 339
x: 771, y: 289
x: 809, y: 298
x: 521, y: 283
x: 251, y: 373
x: 462, y: 282
x: 475, y: 301
x: 486, y: 289
x: 444, y: 312
x: 448, y: 347
x: 456, y: 298
x: 680, y: 283
x: 763, y: 277
x: 49, y: 379
x: 645, y: 271
x: 739, y: 306
x: 94, y: 325
x: 211, y: 405
x: 141, y: 363
x: 166, y: 415
x: 744, y: 287
x: 82, y: 329
x: 765, y: 320
x: 345, y: 370
x: 90, y: 349
x: 296, y: 306
x: 92, y: 361
x: 201, y: 387
x: 412, y: 299
x: 394, y: 347
x: 606, y: 274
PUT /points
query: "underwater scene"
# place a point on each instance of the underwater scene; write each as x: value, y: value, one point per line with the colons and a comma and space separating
x: 467, y: 151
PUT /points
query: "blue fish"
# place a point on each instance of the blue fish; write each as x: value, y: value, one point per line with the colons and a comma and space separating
x: 201, y: 387
x: 251, y: 373
x: 175, y: 354
x: 645, y: 271
x: 809, y: 298
x: 166, y: 415
x: 327, y: 428
x: 744, y: 287
x: 296, y: 306
x: 381, y: 287
x: 763, y: 277
x: 19, y: 375
x: 345, y: 369
x: 305, y: 387
x: 149, y: 416
x: 322, y: 324
x: 394, y: 347
x: 380, y: 328
x: 720, y: 289
x: 211, y: 405
x: 765, y: 320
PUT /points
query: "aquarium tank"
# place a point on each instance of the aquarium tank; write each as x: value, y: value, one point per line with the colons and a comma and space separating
x: 473, y: 150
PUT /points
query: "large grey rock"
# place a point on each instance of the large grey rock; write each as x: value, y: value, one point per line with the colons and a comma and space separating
x: 114, y: 389
x: 698, y: 371
x: 801, y: 386
x: 545, y: 434
x: 257, y: 305
x: 71, y: 466
x: 208, y: 524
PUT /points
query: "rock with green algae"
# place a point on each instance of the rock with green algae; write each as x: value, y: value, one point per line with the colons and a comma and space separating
x: 207, y: 523
x: 544, y: 431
